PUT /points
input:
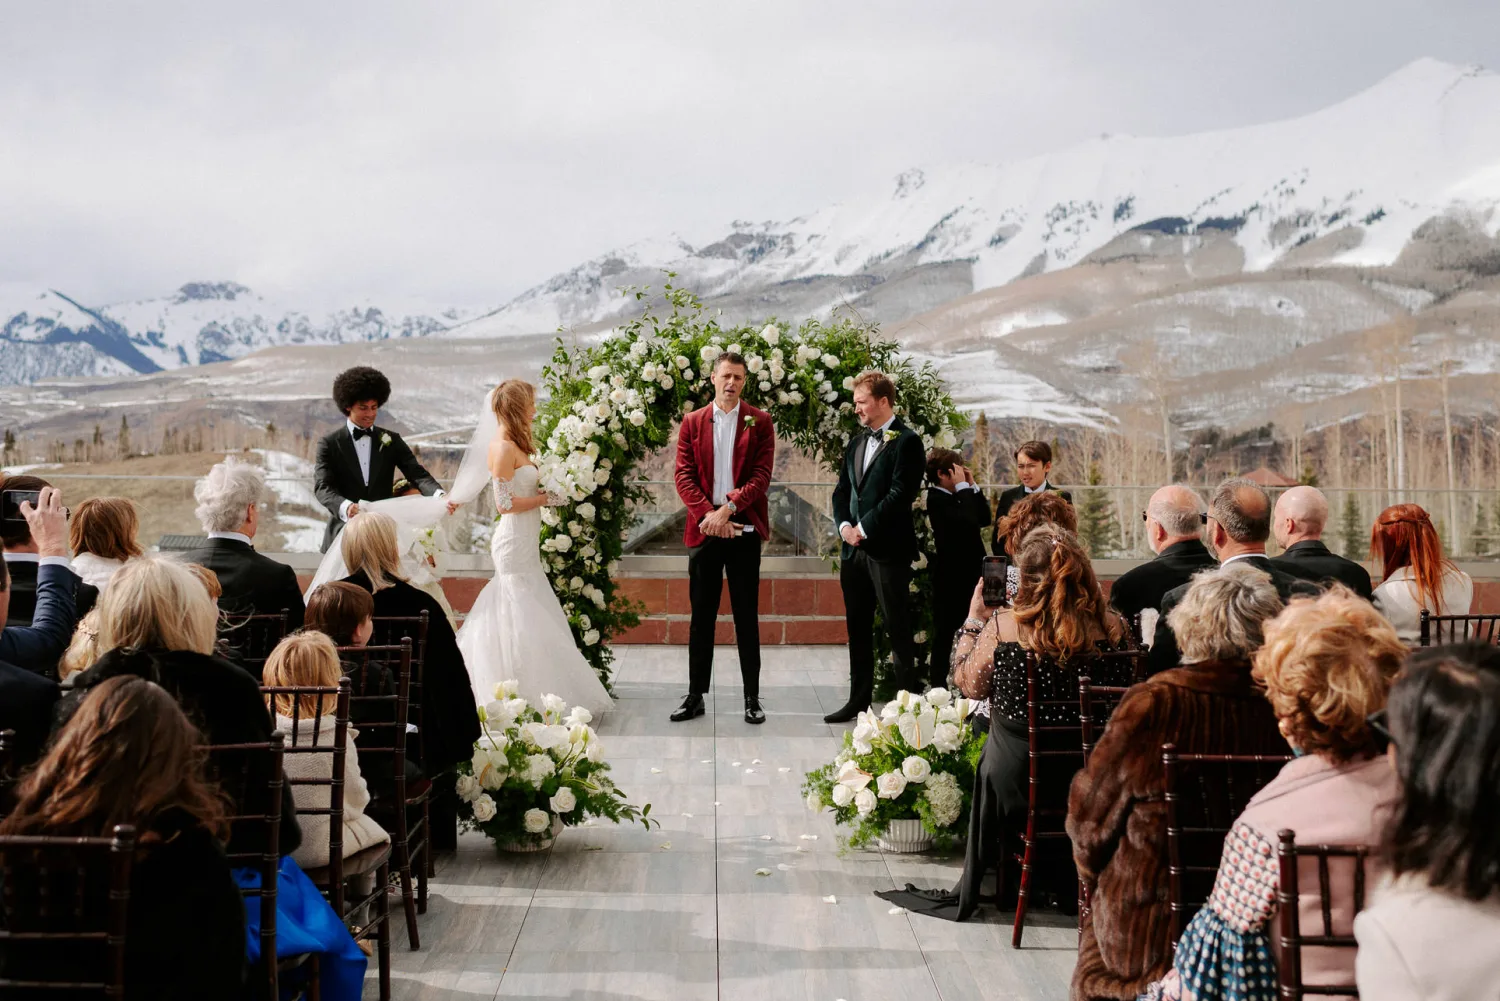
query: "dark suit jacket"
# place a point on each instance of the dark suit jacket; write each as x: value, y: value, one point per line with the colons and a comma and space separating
x: 39, y: 646
x: 879, y: 498
x: 1008, y: 500
x: 1164, y: 653
x: 337, y: 477
x: 253, y: 583
x: 958, y: 543
x: 23, y: 593
x: 1144, y: 586
x: 26, y: 701
x: 1313, y: 560
x: 754, y: 458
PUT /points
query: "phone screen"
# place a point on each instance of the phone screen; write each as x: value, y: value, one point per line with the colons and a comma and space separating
x: 994, y: 573
x: 11, y: 501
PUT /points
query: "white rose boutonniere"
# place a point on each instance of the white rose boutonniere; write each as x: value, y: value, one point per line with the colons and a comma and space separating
x: 891, y: 435
x: 749, y: 420
x: 385, y: 439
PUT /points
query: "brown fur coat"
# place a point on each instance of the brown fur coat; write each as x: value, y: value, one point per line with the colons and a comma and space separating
x: 1117, y: 814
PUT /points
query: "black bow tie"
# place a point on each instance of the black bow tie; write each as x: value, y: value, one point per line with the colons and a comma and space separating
x: 359, y: 432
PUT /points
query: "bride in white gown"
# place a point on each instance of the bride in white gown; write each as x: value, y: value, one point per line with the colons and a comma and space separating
x: 517, y: 629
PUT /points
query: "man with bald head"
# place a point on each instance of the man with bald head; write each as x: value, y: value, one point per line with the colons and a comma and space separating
x: 1297, y: 523
x: 1174, y: 527
x: 1239, y: 523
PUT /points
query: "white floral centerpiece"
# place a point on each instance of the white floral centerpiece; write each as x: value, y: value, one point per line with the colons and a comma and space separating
x: 915, y: 761
x: 536, y: 770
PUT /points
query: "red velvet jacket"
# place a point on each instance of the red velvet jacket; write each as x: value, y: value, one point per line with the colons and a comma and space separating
x: 754, y: 455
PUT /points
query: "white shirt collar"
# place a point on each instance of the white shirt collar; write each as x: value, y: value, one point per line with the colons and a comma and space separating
x: 353, y: 426
x: 887, y: 424
x: 727, y: 414
x: 1045, y: 486
x: 942, y: 490
x: 236, y: 536
x: 1241, y: 556
x: 22, y: 558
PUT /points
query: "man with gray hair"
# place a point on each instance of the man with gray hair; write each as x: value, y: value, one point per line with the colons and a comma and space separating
x: 1239, y: 523
x: 230, y: 499
x: 1174, y: 527
x: 1298, y: 521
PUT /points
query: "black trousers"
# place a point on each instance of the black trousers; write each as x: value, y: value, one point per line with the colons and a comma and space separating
x: 737, y: 559
x: 950, y: 606
x: 869, y: 584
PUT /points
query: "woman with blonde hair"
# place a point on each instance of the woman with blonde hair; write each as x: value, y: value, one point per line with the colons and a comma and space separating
x: 308, y: 659
x: 1326, y: 665
x: 156, y: 621
x: 517, y: 630
x: 102, y: 534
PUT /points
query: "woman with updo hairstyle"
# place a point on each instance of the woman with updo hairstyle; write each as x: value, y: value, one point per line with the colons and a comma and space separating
x: 1117, y: 813
x: 102, y: 534
x: 1061, y: 615
x: 1045, y: 507
x: 1326, y: 665
x: 1417, y: 574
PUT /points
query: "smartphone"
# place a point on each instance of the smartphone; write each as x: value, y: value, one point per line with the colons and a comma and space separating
x: 994, y: 572
x: 11, y: 501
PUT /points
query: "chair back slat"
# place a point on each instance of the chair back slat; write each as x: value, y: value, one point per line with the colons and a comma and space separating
x: 64, y: 913
x: 1096, y: 704
x: 1292, y: 940
x: 389, y: 631
x: 1205, y: 794
x: 251, y: 638
x: 7, y: 770
x: 1441, y: 630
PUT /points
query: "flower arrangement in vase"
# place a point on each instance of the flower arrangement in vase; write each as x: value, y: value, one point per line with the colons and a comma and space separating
x: 915, y: 761
x: 536, y: 770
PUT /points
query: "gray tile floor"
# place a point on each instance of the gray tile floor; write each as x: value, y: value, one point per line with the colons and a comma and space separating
x: 678, y: 913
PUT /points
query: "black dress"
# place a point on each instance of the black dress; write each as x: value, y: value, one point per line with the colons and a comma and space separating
x: 1000, y: 780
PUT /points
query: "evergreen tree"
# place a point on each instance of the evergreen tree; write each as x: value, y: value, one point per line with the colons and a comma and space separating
x: 1096, y: 518
x: 10, y: 445
x: 124, y: 439
x: 1352, y: 528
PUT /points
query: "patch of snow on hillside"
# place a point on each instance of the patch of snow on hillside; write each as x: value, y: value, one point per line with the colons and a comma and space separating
x: 980, y: 381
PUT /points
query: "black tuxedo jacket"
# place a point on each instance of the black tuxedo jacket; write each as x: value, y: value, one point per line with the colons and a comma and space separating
x: 1313, y: 560
x: 1146, y: 585
x: 253, y: 584
x: 879, y: 497
x: 26, y: 702
x: 337, y: 477
x: 1164, y: 652
x: 23, y: 593
x: 1008, y: 499
x: 958, y: 543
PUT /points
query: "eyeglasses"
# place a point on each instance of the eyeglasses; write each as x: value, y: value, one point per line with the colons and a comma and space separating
x: 1203, y: 518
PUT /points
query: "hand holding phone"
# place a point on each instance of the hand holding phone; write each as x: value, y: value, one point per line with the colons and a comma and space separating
x: 993, y: 578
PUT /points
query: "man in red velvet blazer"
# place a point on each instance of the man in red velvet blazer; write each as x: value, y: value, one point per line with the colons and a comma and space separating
x: 724, y: 456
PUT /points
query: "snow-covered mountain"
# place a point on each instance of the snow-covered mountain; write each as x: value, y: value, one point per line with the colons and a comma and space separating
x: 1347, y: 185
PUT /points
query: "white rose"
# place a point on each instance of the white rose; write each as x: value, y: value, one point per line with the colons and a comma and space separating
x: 682, y: 361
x: 562, y: 543
x: 618, y: 439
x: 484, y: 809
x: 864, y: 802
x: 576, y: 584
x: 637, y: 418
x: 830, y: 361
x: 916, y: 769
x: 765, y: 387
x: 830, y: 397
x: 617, y: 396
x: 891, y: 785
x: 665, y: 382
x: 575, y: 529
x: 863, y: 737
x: 687, y: 406
x: 770, y: 334
x: 755, y: 363
x: 598, y: 372
x: 579, y: 716
x: 709, y: 352
x: 795, y: 396
x: 535, y: 821
x: 553, y: 704
x: 563, y: 801
x: 598, y: 598
x: 946, y: 737
x: 591, y: 637
x: 601, y: 476
x: 842, y: 796
x: 602, y: 411
x: 648, y: 372
x: 586, y: 510
x: 468, y: 788
x: 849, y: 383
x: 939, y: 697
x: 735, y: 349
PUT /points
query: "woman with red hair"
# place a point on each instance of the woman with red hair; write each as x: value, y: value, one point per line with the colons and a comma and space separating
x: 1417, y: 574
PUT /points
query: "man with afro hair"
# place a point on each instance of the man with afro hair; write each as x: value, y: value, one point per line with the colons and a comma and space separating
x: 359, y: 461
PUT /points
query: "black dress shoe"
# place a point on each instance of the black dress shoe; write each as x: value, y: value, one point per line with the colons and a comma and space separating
x: 844, y: 715
x: 753, y: 712
x: 691, y: 708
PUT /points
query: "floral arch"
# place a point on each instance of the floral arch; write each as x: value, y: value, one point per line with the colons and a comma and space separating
x: 611, y: 405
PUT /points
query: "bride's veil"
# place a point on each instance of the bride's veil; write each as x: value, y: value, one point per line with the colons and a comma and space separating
x: 414, y: 515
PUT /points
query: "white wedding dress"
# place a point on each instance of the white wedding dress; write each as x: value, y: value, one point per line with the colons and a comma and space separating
x: 517, y: 630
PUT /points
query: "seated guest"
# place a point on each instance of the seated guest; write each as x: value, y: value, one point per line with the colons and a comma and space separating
x: 37, y: 642
x: 1431, y: 932
x: 1033, y: 463
x: 1116, y: 814
x: 210, y: 582
x: 156, y: 622
x: 957, y: 512
x: 1174, y: 529
x: 1298, y: 523
x: 102, y: 533
x: 1417, y: 574
x: 1060, y: 614
x: 1239, y: 523
x: 229, y: 508
x: 450, y: 719
x: 129, y: 756
x: 83, y: 650
x: 308, y: 659
x: 24, y: 559
x: 1326, y: 665
x: 26, y: 704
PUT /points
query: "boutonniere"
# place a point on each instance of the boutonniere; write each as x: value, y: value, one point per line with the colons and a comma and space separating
x: 385, y: 439
x: 749, y: 421
x: 891, y: 435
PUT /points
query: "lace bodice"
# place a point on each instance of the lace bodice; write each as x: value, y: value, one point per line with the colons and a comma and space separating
x: 514, y: 542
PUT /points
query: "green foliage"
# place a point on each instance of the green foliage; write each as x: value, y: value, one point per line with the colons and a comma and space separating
x: 1352, y: 528
x: 1097, y: 529
x: 1479, y: 535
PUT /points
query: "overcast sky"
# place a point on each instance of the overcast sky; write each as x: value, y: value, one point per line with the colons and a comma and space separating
x: 460, y: 152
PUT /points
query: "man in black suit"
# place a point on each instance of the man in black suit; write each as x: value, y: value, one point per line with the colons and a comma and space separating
x: 358, y: 462
x: 38, y: 645
x: 1174, y: 526
x: 1239, y: 523
x: 229, y: 502
x: 1033, y: 463
x: 958, y: 512
x: 22, y: 562
x: 878, y: 483
x: 1298, y: 523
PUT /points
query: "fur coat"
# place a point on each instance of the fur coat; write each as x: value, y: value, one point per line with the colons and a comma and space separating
x: 1117, y: 814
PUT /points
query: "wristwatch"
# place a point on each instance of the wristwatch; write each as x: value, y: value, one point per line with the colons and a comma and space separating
x: 733, y: 508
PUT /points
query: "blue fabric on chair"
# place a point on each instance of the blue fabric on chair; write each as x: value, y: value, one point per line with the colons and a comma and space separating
x: 305, y: 923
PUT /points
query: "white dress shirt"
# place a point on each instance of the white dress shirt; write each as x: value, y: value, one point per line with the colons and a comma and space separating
x: 872, y: 445
x: 362, y: 451
x: 236, y: 536
x: 726, y: 429
x: 45, y: 561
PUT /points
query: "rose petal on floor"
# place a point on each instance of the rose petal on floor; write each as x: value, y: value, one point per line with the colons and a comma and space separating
x: 830, y: 899
x: 763, y: 872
